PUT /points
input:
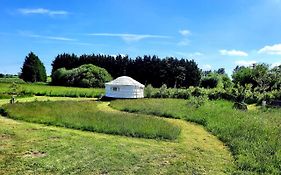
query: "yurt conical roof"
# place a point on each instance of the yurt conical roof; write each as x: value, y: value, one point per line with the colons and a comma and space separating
x: 125, y: 81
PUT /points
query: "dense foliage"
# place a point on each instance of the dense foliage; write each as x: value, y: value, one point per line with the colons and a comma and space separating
x: 260, y: 76
x: 33, y: 70
x: 92, y: 116
x: 252, y: 136
x: 147, y: 69
x: 86, y: 75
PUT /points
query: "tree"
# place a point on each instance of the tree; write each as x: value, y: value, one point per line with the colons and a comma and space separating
x: 221, y: 71
x: 147, y: 69
x: 33, y: 70
x: 86, y: 75
x: 243, y: 75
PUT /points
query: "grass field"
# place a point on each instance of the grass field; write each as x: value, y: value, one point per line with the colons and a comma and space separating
x: 90, y: 116
x: 11, y: 80
x: 253, y: 136
x: 39, y: 149
x: 54, y: 91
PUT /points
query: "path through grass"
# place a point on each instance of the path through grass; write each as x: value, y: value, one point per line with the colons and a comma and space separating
x: 30, y: 148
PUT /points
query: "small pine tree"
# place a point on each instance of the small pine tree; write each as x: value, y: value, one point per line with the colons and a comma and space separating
x: 33, y: 70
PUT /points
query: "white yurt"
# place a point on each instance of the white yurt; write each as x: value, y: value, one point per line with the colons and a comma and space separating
x: 124, y: 87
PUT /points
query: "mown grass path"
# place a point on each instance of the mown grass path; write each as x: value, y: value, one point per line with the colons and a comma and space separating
x: 27, y: 147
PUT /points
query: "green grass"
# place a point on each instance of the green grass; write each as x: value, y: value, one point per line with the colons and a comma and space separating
x: 28, y: 148
x: 92, y: 116
x: 11, y: 80
x: 253, y: 136
x: 54, y: 91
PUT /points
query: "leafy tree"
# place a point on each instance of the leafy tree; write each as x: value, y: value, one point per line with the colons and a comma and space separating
x: 86, y: 75
x: 275, y: 77
x: 243, y: 76
x: 221, y: 71
x: 33, y: 70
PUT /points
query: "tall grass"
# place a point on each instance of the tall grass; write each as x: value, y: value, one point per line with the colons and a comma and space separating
x: 88, y: 116
x: 252, y: 136
x: 54, y: 91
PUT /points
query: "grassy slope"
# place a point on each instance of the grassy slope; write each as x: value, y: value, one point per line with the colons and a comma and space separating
x: 86, y: 115
x: 254, y: 136
x: 29, y: 148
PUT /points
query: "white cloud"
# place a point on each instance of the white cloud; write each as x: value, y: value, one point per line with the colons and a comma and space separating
x: 59, y: 38
x: 42, y: 11
x: 206, y: 67
x: 184, y: 42
x: 233, y: 53
x: 273, y: 49
x: 128, y: 37
x: 185, y: 54
x: 185, y: 32
x: 197, y: 54
x: 245, y: 63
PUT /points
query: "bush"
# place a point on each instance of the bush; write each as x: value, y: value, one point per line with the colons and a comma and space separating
x: 209, y: 82
x: 148, y: 91
x: 197, y: 101
x: 86, y: 75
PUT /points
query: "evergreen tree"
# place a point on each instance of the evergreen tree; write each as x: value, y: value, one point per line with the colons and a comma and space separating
x: 33, y: 70
x: 147, y: 69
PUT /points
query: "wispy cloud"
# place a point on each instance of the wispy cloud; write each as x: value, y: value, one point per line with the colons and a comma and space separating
x: 186, y: 54
x: 273, y: 49
x: 42, y: 11
x: 185, y: 40
x: 128, y: 37
x: 233, y: 53
x: 59, y: 38
x: 245, y: 62
x: 185, y: 32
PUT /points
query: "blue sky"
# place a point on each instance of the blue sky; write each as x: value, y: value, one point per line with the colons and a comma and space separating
x: 215, y: 33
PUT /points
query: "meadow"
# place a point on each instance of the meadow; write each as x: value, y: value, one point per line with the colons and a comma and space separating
x: 44, y: 149
x: 53, y: 91
x: 92, y: 116
x: 253, y: 136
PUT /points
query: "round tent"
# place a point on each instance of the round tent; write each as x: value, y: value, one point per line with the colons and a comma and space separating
x: 124, y: 87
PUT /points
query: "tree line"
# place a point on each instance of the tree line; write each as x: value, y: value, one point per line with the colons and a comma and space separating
x: 147, y: 69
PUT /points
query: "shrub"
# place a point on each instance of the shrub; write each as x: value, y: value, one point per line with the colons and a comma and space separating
x: 148, y: 91
x: 86, y: 75
x: 209, y: 82
x: 197, y: 101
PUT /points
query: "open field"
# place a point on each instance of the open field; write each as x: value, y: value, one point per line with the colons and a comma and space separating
x: 253, y: 136
x: 11, y: 80
x: 87, y: 115
x: 30, y: 148
x: 54, y: 91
